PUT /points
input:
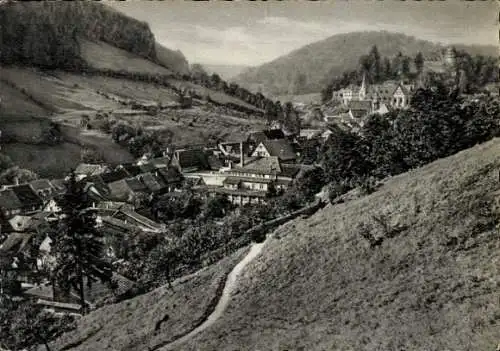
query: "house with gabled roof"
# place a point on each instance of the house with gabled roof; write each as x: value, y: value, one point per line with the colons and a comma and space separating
x: 43, y: 188
x: 281, y: 148
x: 252, y: 182
x: 127, y: 189
x: 131, y: 169
x: 269, y: 134
x: 171, y: 176
x: 30, y: 201
x: 153, y: 182
x: 114, y: 175
x: 190, y: 160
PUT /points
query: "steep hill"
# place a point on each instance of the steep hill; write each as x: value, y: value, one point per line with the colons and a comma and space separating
x: 61, y: 61
x: 431, y: 284
x: 324, y: 59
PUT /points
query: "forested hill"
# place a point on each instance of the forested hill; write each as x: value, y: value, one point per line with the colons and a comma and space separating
x: 47, y: 34
x: 310, y: 67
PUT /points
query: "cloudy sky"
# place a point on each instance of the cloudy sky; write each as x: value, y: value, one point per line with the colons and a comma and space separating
x: 251, y: 33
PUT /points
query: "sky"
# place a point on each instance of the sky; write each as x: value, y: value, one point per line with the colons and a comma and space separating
x: 254, y: 32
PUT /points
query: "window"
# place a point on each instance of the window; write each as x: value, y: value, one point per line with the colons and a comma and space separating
x: 261, y: 186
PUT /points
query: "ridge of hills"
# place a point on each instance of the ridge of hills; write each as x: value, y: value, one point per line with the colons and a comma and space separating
x: 322, y: 60
x: 318, y: 284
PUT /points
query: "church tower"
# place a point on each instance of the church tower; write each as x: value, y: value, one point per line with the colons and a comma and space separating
x: 450, y: 57
x: 362, y: 90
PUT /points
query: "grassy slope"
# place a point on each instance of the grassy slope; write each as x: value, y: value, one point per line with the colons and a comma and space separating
x: 322, y: 287
x: 104, y: 56
x: 130, y: 325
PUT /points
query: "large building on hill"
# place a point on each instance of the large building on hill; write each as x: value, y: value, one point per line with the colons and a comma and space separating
x: 390, y: 94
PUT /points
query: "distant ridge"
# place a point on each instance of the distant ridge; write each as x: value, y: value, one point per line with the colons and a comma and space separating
x: 324, y: 59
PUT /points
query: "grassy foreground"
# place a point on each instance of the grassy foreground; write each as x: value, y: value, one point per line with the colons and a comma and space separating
x: 429, y: 281
x: 153, y: 319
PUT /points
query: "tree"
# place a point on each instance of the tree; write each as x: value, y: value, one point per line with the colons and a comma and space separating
x: 376, y: 66
x: 405, y: 66
x: 310, y: 183
x: 216, y: 207
x: 419, y: 62
x: 345, y: 157
x: 291, y: 119
x: 387, y: 69
x: 79, y: 247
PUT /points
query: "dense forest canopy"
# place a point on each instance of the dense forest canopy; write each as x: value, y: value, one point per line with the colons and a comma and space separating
x: 46, y: 33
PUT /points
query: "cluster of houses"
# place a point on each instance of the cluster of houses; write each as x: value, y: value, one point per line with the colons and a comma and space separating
x: 361, y: 101
x: 246, y: 171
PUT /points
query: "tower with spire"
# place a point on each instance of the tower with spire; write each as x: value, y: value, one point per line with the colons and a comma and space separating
x: 362, y: 90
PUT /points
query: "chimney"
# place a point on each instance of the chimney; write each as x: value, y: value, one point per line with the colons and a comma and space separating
x: 242, y: 155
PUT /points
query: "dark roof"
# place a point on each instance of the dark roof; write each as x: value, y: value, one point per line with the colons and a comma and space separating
x: 280, y: 148
x: 265, y: 165
x: 147, y: 167
x: 26, y: 195
x: 59, y: 185
x: 359, y: 113
x: 135, y: 185
x: 152, y: 182
x: 99, y: 184
x: 170, y: 175
x: 269, y: 134
x: 115, y: 175
x: 131, y: 169
x: 9, y: 200
x: 290, y: 170
x: 15, y: 242
x: 160, y: 162
x: 360, y: 105
x: 214, y: 162
x: 122, y: 188
x: 193, y: 158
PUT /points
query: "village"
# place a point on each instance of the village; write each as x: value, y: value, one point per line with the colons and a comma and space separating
x: 249, y: 171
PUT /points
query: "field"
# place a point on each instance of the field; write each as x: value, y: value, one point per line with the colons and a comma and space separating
x: 216, y: 96
x: 46, y: 161
x: 15, y: 103
x: 431, y: 282
x: 153, y: 319
x: 66, y: 97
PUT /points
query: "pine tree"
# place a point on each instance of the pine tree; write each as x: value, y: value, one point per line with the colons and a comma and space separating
x: 419, y: 62
x: 79, y: 247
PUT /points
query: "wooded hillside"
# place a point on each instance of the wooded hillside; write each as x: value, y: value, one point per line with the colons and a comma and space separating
x: 46, y: 33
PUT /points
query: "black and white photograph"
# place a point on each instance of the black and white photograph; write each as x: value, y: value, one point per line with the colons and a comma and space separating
x: 249, y: 175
